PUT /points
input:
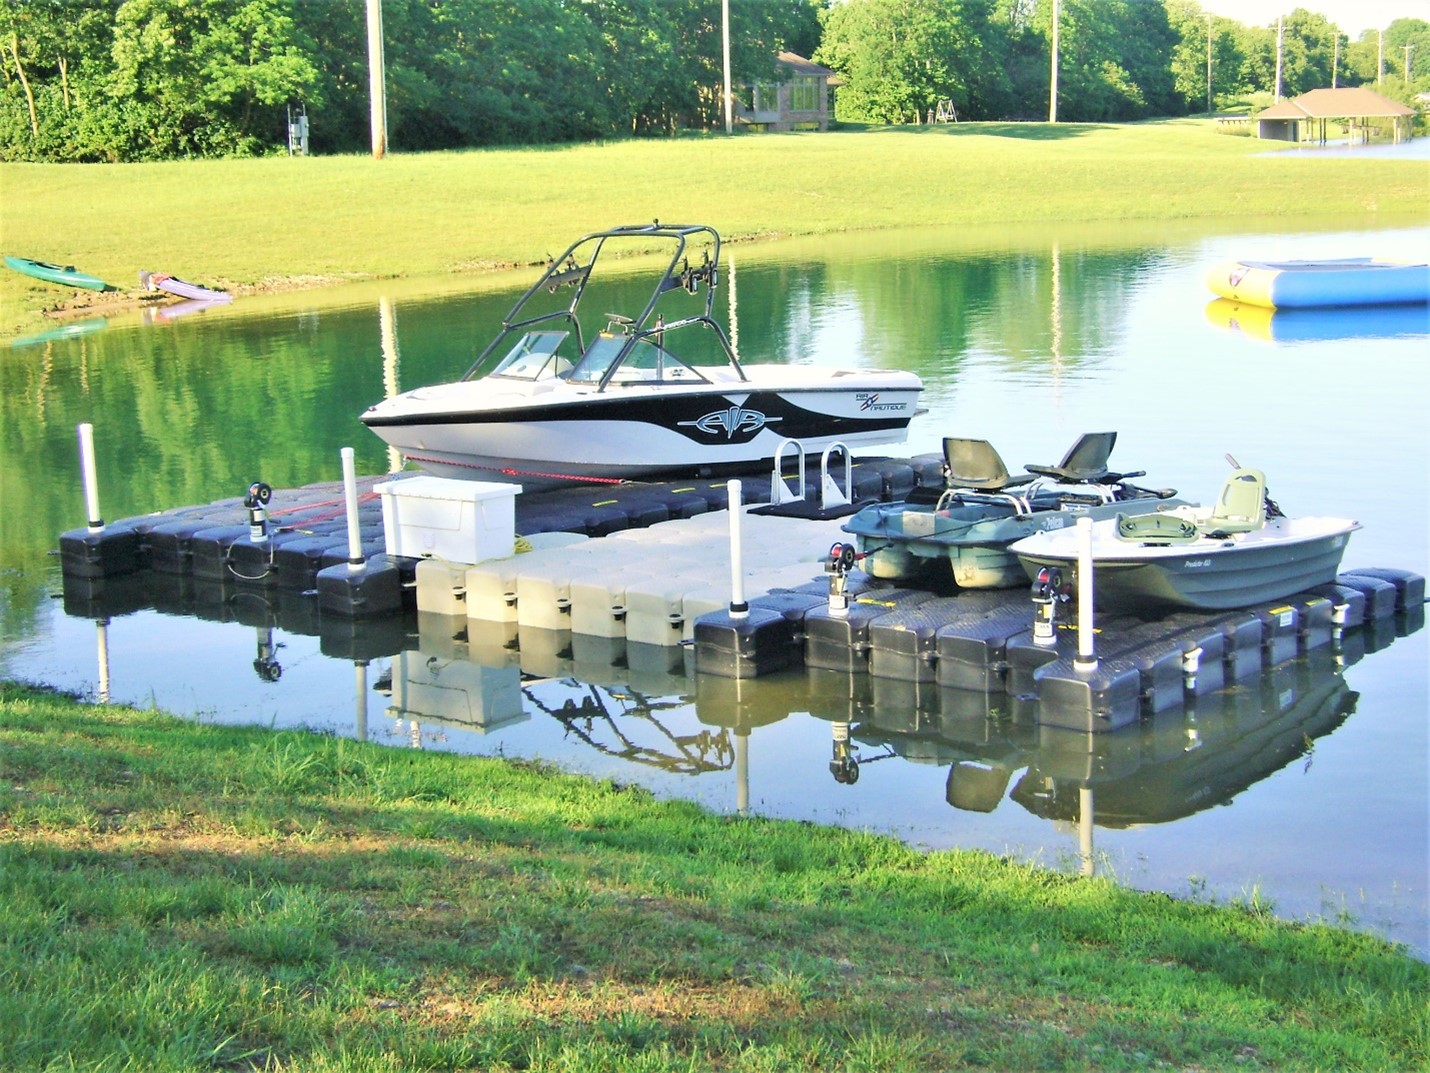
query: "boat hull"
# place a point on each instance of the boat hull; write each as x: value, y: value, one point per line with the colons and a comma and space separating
x: 555, y: 433
x: 1286, y: 556
x: 64, y: 275
x: 1356, y: 281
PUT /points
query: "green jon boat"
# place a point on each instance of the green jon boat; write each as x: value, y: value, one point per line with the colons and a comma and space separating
x: 64, y: 275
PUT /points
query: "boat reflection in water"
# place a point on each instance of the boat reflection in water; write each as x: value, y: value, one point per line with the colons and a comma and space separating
x: 643, y: 705
x: 1314, y: 325
x: 1166, y: 768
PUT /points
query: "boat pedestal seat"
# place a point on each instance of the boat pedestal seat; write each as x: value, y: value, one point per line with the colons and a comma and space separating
x: 1156, y: 529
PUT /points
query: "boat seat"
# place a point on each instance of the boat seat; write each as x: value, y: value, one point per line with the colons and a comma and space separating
x: 975, y: 465
x: 1241, y: 507
x: 1086, y: 460
x: 1156, y: 529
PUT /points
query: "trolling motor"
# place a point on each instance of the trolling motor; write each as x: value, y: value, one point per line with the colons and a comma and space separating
x: 844, y: 766
x: 1048, y: 592
x: 265, y: 663
x: 256, y: 500
x: 841, y: 560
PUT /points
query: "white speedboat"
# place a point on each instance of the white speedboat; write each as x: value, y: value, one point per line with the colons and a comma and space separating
x: 1241, y: 552
x: 561, y: 395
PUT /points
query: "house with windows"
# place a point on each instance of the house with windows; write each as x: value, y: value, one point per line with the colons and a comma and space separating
x: 799, y: 101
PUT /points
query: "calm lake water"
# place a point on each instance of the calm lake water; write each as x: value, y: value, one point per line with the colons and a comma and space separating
x: 1306, y: 789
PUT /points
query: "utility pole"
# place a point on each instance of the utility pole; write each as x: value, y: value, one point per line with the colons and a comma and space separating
x: 376, y: 80
x: 1280, y: 41
x: 1053, y: 93
x: 1209, y: 63
x: 725, y: 44
x: 1408, y: 49
x: 1335, y: 55
x: 1380, y: 59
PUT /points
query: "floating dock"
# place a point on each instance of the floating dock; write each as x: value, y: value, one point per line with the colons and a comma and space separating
x: 648, y: 575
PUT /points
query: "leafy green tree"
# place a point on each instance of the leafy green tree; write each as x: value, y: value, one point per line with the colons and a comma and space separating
x: 899, y: 58
x: 204, y: 77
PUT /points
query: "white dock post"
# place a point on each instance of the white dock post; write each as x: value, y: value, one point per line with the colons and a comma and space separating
x: 355, y: 560
x: 87, y: 475
x: 1086, y: 661
x: 738, y: 607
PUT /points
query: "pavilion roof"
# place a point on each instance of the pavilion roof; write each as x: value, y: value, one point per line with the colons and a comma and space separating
x: 1336, y: 104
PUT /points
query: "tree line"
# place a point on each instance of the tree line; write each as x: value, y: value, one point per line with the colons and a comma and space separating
x: 129, y: 80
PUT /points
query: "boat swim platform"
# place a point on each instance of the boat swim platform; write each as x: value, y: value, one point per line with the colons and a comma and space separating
x: 639, y: 577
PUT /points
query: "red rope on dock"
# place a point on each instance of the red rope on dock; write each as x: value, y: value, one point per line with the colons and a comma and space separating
x: 510, y: 472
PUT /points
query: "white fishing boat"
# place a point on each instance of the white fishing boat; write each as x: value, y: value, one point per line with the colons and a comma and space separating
x: 561, y: 395
x: 1239, y: 553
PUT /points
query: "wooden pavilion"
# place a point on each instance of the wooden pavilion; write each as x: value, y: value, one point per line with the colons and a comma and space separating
x: 1307, y: 117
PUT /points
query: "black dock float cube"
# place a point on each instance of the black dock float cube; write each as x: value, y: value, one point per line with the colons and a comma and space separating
x: 762, y: 641
x: 169, y: 545
x: 1409, y: 587
x: 256, y: 563
x: 364, y: 640
x: 1380, y: 595
x: 840, y: 642
x: 1348, y: 605
x: 791, y: 603
x: 1315, y: 620
x: 372, y: 588
x: 1242, y: 651
x: 111, y: 552
x: 902, y: 644
x: 720, y: 702
x: 296, y: 562
x: 1280, y: 631
x: 104, y: 597
x: 1105, y: 697
x: 209, y: 560
x: 972, y: 655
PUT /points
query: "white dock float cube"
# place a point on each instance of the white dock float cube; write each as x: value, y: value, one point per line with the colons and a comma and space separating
x: 460, y: 521
x: 427, y: 689
x: 598, y: 602
x: 655, y: 610
x: 491, y: 591
x: 543, y: 590
x: 442, y: 587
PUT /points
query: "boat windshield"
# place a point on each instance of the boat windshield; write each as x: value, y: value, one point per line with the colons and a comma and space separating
x: 535, y: 357
x: 644, y: 363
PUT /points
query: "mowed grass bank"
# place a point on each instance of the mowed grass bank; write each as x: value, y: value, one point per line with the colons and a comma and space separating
x: 281, y: 222
x: 176, y: 896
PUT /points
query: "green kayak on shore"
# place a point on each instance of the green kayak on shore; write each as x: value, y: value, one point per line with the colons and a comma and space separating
x: 64, y: 275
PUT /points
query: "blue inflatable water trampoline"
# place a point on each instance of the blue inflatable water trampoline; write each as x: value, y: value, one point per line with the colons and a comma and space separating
x: 1349, y: 281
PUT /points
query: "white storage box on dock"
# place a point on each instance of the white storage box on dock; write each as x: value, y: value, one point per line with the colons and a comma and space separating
x: 460, y: 521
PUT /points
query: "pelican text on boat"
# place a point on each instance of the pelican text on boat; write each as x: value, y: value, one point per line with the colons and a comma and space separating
x: 563, y: 394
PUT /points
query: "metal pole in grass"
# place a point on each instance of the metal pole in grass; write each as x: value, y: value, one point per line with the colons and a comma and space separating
x: 88, y: 478
x: 1086, y: 661
x: 350, y: 497
x: 738, y: 607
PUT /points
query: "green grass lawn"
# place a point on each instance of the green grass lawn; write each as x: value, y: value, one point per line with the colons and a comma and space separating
x: 281, y: 222
x: 178, y: 896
